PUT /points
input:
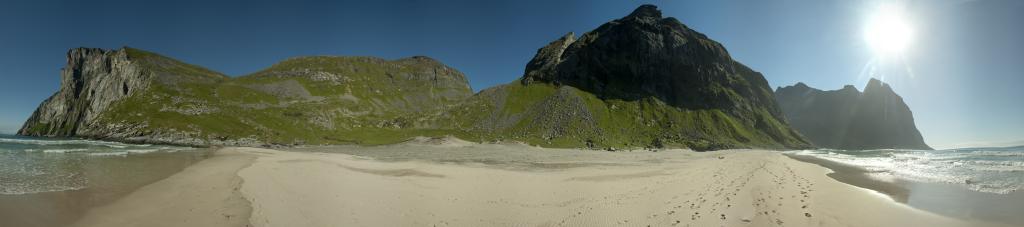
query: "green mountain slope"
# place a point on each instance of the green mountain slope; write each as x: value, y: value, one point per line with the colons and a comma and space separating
x: 564, y: 116
x: 307, y: 100
x: 640, y: 81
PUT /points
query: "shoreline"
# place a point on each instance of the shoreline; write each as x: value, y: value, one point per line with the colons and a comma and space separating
x: 857, y: 176
x: 484, y: 185
x: 943, y: 199
x: 98, y: 181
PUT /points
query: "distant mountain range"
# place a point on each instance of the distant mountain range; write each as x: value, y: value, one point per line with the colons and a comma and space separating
x: 849, y: 119
x: 642, y: 81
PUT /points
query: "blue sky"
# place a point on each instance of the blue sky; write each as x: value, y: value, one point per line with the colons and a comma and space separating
x: 967, y: 57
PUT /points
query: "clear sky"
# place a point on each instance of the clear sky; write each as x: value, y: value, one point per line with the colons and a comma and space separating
x: 966, y: 56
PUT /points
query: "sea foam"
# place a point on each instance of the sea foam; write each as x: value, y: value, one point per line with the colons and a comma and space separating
x: 993, y: 170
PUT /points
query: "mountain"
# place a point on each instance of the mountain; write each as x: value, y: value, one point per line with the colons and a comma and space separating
x: 639, y: 81
x: 849, y: 119
x: 136, y: 96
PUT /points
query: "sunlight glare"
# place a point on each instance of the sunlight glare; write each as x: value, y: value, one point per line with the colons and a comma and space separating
x: 887, y: 32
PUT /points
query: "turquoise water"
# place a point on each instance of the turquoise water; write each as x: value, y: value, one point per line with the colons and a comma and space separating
x: 989, y: 170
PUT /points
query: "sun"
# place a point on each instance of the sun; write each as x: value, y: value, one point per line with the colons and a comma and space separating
x: 888, y: 32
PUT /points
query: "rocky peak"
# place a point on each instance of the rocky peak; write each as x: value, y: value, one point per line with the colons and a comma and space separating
x: 75, y: 55
x: 645, y: 11
x: 547, y: 57
x: 876, y: 86
x: 799, y: 87
x: 645, y: 55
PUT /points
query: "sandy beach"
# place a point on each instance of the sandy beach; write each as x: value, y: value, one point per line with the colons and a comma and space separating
x: 462, y: 184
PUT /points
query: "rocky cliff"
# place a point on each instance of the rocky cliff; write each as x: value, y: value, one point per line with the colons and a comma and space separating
x: 91, y: 81
x: 640, y: 81
x: 849, y: 119
x: 94, y: 80
x: 137, y: 96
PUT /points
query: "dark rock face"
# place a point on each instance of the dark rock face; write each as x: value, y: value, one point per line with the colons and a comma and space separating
x: 849, y: 119
x: 547, y: 58
x: 92, y: 80
x: 644, y: 55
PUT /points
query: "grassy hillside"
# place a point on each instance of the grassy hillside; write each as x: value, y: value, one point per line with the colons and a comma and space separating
x: 308, y: 100
x: 137, y: 96
x: 563, y: 116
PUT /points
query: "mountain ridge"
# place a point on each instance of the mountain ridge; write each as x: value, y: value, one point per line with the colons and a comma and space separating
x: 876, y: 118
x: 641, y: 81
x: 172, y: 102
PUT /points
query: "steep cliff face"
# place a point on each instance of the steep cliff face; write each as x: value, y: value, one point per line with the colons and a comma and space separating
x: 92, y: 81
x: 137, y: 96
x: 639, y: 81
x: 849, y: 119
x: 646, y: 55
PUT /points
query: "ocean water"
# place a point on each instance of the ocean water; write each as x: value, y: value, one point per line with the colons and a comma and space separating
x: 34, y: 165
x: 988, y: 170
x: 52, y: 182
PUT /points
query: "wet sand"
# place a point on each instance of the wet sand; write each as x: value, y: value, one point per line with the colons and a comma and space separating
x: 461, y: 184
x: 204, y: 194
x: 108, y: 179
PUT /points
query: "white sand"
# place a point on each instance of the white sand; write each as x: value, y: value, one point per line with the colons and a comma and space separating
x: 680, y: 188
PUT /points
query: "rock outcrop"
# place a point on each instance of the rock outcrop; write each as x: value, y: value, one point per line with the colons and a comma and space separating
x: 849, y: 119
x: 640, y: 81
x: 92, y: 81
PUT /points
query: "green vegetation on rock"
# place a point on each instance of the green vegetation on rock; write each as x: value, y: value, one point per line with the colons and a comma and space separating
x: 639, y: 81
x: 307, y: 100
x: 642, y: 81
x: 563, y: 116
